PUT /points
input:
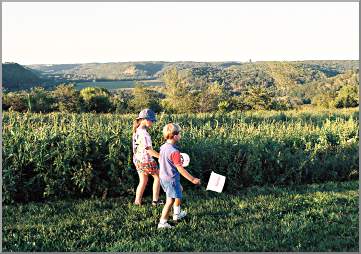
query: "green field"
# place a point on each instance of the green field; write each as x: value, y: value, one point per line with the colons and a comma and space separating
x: 291, y: 182
x: 317, y: 217
x: 61, y: 155
x: 119, y: 84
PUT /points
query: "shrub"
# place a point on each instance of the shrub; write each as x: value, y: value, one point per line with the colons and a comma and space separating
x: 64, y: 155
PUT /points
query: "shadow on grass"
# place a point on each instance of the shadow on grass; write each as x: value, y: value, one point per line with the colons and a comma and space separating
x: 255, y: 191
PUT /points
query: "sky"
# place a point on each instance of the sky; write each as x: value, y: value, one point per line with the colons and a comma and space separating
x: 67, y: 32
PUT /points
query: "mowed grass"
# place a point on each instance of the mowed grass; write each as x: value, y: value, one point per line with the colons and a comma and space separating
x: 119, y: 84
x: 317, y: 217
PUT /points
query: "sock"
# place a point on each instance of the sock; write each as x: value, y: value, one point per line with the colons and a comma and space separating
x: 176, y: 209
x: 163, y: 221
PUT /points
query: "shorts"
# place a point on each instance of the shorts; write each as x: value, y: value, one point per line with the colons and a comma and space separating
x: 148, y: 168
x: 172, y: 188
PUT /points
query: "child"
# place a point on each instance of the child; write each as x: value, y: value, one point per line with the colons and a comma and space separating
x: 143, y: 154
x: 170, y: 167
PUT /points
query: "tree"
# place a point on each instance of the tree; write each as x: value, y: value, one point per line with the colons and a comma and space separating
x: 180, y: 97
x: 347, y: 97
x: 324, y: 100
x: 224, y: 106
x: 284, y: 103
x: 121, y: 102
x: 40, y: 100
x: 16, y: 101
x: 211, y: 97
x: 67, y: 98
x: 257, y: 98
x: 96, y: 99
x: 144, y: 98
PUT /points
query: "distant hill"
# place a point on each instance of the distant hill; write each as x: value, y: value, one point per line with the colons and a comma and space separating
x: 329, y: 85
x: 153, y: 70
x: 100, y: 71
x: 117, y: 71
x: 284, y: 76
x: 16, y: 76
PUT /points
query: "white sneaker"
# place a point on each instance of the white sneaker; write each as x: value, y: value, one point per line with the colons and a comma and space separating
x: 180, y: 215
x: 164, y: 225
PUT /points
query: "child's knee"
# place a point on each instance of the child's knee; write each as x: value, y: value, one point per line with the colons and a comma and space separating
x: 143, y: 181
x: 170, y: 201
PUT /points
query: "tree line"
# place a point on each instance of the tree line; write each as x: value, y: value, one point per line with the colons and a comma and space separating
x: 186, y: 92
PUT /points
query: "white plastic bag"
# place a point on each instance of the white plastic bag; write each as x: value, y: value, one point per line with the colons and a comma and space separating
x: 216, y: 182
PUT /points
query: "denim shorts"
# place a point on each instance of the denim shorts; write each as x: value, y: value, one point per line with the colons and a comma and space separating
x: 172, y: 188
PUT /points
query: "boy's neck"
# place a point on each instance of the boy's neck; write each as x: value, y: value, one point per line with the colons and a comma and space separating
x: 171, y: 141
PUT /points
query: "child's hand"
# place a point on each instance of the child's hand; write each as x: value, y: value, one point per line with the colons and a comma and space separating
x: 196, y: 181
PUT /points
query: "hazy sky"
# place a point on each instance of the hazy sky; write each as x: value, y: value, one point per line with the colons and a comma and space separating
x: 34, y: 33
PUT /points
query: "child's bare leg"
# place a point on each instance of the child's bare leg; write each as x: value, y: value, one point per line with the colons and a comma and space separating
x: 176, y: 206
x: 156, y: 187
x: 177, y: 202
x: 143, y: 180
x: 166, y: 209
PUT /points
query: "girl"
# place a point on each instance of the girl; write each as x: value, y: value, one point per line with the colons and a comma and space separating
x: 143, y: 154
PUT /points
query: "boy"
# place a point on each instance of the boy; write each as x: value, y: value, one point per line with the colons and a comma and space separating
x: 170, y: 166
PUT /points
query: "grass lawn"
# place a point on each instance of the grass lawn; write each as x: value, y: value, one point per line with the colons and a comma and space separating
x: 317, y: 217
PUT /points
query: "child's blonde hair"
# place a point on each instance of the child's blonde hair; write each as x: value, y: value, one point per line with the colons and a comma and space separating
x: 170, y: 130
x: 136, y: 124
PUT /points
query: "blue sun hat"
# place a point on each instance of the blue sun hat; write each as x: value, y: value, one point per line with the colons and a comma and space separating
x: 147, y: 114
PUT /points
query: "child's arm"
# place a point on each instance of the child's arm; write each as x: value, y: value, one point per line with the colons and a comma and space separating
x: 148, y: 146
x: 188, y: 176
x: 152, y: 152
